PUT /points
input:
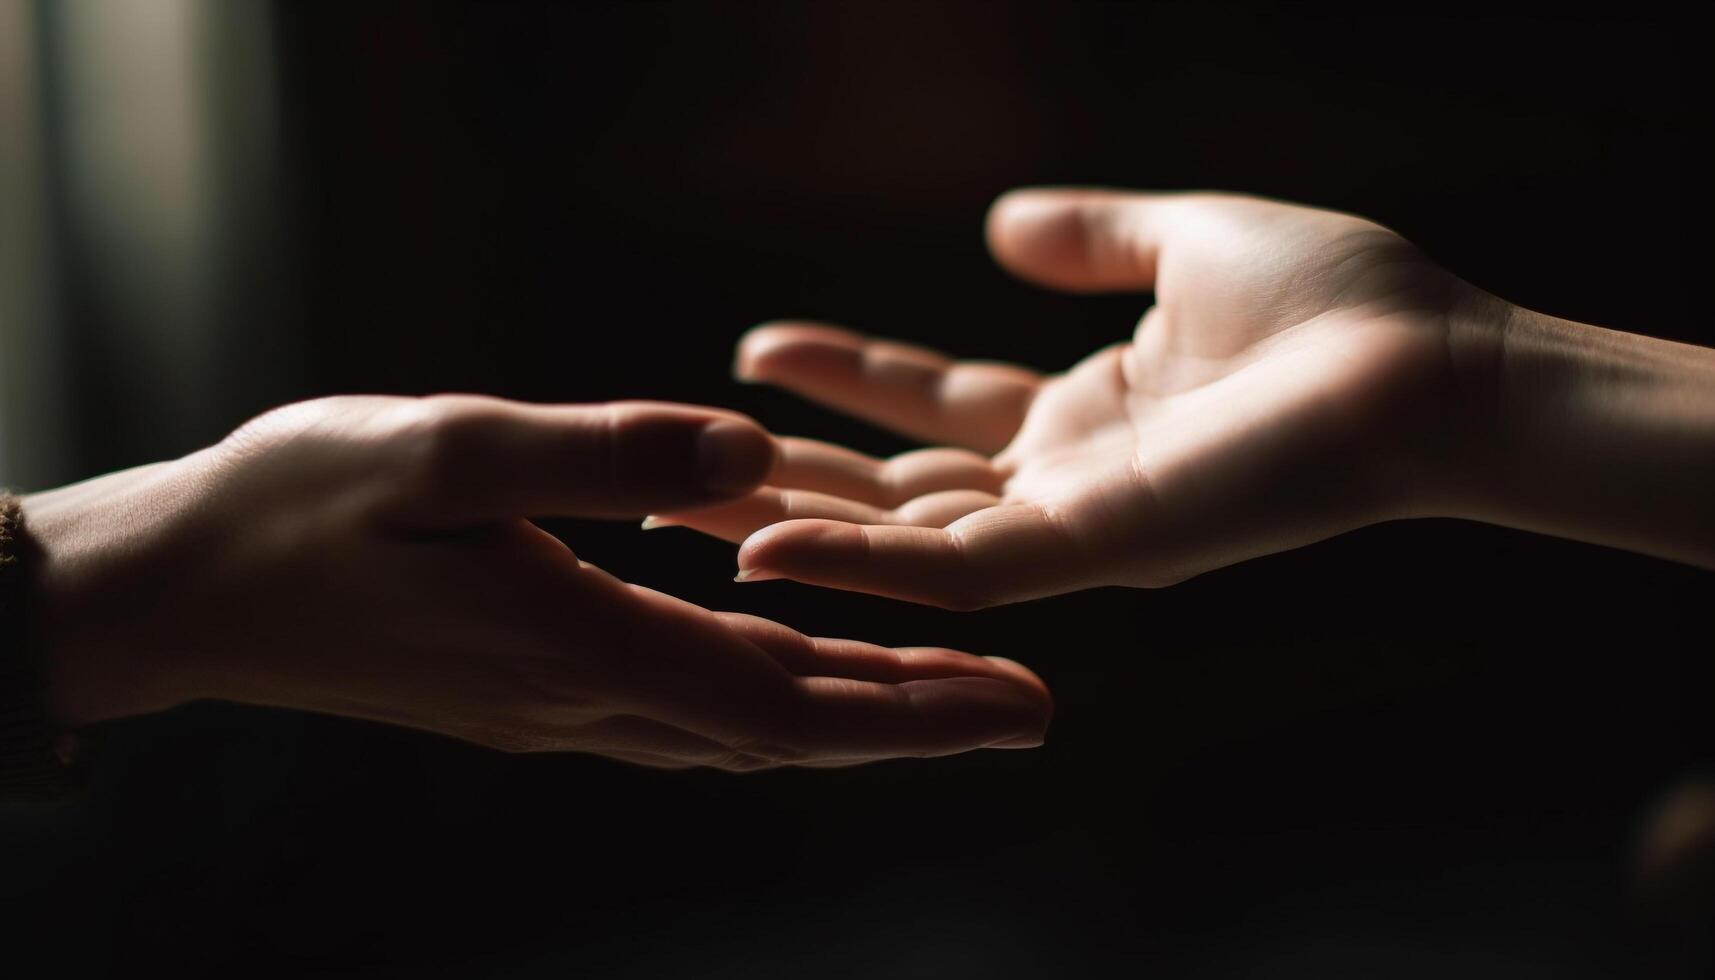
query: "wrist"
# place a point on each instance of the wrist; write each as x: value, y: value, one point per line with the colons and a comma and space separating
x: 1583, y: 432
x: 1439, y: 452
x: 95, y: 649
x: 1468, y: 461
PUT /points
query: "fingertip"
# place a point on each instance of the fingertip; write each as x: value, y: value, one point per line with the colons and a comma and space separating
x: 769, y: 350
x: 1023, y: 674
x: 1062, y: 195
x: 791, y: 546
x: 747, y: 353
x: 663, y: 458
x: 1020, y: 202
x: 1033, y: 731
x: 1038, y: 701
x: 1076, y: 239
x: 734, y: 456
x: 1038, y: 234
x: 756, y: 347
x: 1009, y: 712
x: 1021, y: 742
x: 1031, y: 705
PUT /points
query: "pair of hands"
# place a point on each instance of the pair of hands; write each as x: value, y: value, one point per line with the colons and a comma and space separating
x: 1301, y: 373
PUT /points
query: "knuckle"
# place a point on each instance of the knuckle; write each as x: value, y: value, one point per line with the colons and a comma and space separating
x: 974, y: 581
x: 439, y: 436
x: 605, y: 436
x: 284, y: 423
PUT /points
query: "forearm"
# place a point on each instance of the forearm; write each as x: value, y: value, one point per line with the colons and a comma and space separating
x: 1596, y: 435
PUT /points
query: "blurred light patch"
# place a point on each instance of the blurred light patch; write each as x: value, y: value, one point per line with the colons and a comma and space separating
x: 141, y: 145
x: 26, y: 289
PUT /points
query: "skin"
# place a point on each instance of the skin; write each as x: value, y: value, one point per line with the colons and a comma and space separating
x: 1301, y: 373
x: 372, y: 557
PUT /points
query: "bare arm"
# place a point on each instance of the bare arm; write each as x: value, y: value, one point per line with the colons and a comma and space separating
x: 1594, y: 435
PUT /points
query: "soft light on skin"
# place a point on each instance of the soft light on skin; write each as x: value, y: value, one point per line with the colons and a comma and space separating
x: 1302, y: 373
x: 387, y: 546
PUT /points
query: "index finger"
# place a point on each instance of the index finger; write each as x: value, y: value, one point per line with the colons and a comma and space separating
x: 469, y: 460
x: 903, y: 387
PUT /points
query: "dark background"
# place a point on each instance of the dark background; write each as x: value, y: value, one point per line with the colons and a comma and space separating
x: 1423, y: 749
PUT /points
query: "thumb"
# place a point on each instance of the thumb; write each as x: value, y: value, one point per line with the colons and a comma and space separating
x: 478, y: 460
x: 1079, y: 240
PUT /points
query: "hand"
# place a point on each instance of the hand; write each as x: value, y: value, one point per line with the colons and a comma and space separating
x: 1291, y: 382
x: 370, y: 557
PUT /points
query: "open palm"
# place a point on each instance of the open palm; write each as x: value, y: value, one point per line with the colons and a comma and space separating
x: 1274, y: 395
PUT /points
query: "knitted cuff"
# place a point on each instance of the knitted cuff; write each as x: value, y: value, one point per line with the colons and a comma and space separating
x: 37, y: 763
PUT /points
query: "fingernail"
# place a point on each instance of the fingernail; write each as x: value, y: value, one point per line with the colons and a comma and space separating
x: 652, y: 522
x: 742, y: 360
x: 756, y: 575
x: 1020, y: 742
x: 732, y: 456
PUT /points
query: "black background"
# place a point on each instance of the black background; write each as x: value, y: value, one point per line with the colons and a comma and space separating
x: 1423, y: 749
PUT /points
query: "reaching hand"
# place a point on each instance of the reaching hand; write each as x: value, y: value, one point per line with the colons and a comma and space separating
x: 370, y: 557
x: 1283, y: 388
